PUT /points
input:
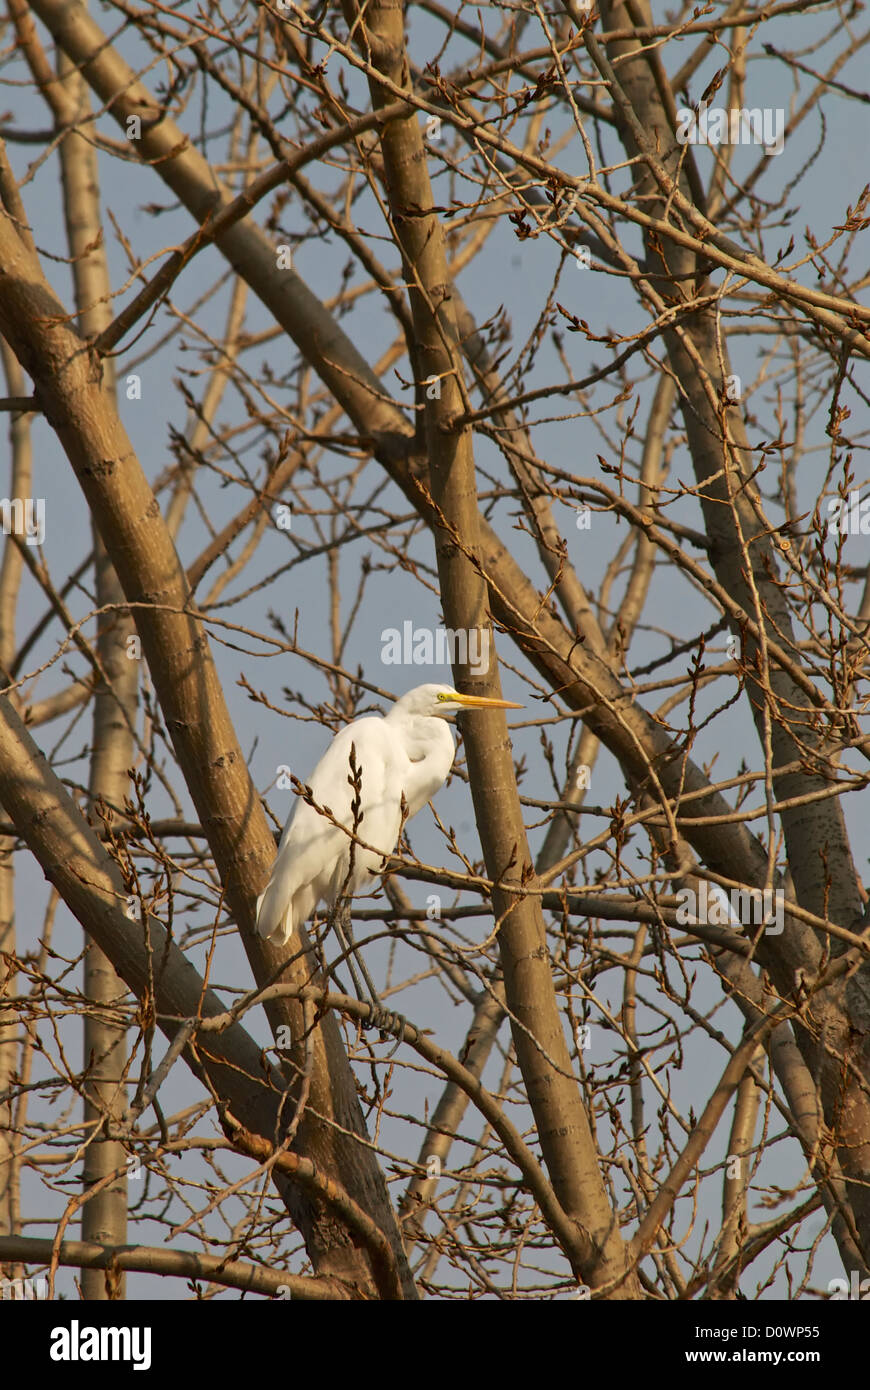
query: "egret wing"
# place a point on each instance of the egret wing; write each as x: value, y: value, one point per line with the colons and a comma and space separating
x: 314, y: 854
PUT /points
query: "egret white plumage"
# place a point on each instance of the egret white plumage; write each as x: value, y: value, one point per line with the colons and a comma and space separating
x: 409, y: 753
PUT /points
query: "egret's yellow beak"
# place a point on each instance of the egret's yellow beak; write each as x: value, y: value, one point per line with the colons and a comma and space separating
x: 482, y: 702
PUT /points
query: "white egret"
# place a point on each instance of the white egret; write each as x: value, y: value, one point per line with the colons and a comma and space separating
x: 409, y: 753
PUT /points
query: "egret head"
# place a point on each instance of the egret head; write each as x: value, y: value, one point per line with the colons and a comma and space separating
x: 443, y: 702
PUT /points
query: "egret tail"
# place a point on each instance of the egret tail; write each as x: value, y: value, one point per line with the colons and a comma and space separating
x: 282, y: 908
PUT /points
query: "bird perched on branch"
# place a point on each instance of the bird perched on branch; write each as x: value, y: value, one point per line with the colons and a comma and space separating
x: 407, y: 754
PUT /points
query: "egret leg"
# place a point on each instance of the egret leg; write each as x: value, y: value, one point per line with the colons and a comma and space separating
x: 380, y: 1017
x: 341, y: 921
x: 330, y: 972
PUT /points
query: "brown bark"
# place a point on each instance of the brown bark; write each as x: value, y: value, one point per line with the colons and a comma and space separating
x: 104, y: 1216
x: 747, y: 564
x: 563, y: 1127
x: 67, y: 383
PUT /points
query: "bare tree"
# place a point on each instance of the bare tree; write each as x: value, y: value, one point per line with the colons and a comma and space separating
x: 416, y: 337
